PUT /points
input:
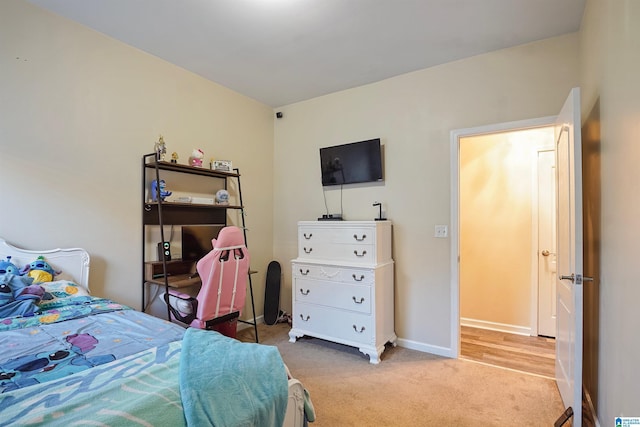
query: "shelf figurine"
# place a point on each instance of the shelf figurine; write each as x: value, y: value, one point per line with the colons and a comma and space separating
x: 163, y: 190
x: 160, y: 149
x: 174, y: 157
x: 196, y: 157
x: 222, y: 197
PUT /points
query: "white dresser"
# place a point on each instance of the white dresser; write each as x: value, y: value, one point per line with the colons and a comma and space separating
x: 342, y: 284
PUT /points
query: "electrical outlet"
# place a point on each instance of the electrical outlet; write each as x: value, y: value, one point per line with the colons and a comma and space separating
x: 440, y: 231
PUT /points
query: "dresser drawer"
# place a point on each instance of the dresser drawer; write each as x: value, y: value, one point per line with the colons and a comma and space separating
x: 333, y: 294
x: 315, y: 234
x: 330, y: 322
x: 348, y: 253
x: 338, y: 274
x: 355, y: 235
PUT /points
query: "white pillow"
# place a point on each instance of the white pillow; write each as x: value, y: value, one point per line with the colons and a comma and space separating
x: 58, y: 291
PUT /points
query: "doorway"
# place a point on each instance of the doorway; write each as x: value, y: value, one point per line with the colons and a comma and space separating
x: 505, y: 240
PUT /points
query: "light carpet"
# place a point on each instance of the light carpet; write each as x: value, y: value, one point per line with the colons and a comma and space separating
x: 410, y: 388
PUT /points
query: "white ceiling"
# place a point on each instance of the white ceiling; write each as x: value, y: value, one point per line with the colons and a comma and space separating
x: 283, y: 51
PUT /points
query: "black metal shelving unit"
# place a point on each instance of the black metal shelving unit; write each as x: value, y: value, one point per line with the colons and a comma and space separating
x: 161, y: 213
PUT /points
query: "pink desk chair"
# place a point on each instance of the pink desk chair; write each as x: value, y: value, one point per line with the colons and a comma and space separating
x: 224, y: 272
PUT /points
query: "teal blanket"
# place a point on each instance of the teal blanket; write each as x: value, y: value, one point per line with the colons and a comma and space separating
x: 226, y: 383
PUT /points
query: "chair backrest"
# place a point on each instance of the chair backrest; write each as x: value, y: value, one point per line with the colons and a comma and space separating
x: 224, y: 272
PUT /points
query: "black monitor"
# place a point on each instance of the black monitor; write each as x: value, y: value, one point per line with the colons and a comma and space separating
x: 196, y: 240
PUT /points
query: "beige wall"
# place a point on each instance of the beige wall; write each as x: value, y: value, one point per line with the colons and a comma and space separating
x: 413, y: 114
x: 77, y: 112
x: 496, y: 214
x: 610, y: 59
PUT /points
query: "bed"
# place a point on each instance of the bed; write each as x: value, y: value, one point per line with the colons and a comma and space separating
x: 67, y: 357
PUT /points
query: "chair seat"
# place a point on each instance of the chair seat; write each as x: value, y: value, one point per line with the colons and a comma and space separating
x: 226, y: 318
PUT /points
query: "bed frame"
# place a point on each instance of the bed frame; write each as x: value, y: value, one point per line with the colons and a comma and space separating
x: 74, y: 266
x: 72, y: 263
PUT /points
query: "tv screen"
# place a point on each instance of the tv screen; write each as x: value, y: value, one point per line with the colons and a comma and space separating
x: 351, y: 163
x: 196, y: 240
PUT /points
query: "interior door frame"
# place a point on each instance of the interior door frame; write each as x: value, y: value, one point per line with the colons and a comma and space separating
x: 455, y: 137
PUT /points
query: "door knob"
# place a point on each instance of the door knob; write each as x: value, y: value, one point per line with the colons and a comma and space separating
x: 545, y: 253
x: 577, y: 278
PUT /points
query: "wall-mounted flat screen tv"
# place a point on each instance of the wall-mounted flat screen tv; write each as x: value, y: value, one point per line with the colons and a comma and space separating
x: 352, y: 163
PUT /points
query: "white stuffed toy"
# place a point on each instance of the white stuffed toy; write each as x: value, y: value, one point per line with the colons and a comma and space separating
x: 196, y: 157
x: 222, y: 197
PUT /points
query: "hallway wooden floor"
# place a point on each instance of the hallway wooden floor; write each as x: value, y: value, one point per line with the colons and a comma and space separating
x: 535, y: 355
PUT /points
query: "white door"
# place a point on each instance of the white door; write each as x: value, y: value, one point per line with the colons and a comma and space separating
x: 546, y: 248
x: 569, y: 256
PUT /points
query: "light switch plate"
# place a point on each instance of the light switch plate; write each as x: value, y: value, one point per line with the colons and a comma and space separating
x: 441, y: 231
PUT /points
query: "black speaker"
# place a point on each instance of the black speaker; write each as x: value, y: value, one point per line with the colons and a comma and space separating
x: 164, y: 250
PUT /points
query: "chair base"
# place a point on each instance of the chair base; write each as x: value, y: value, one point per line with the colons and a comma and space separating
x: 227, y: 325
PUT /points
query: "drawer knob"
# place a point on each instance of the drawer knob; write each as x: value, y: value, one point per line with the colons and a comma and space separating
x: 304, y: 273
x: 356, y: 279
x: 359, y: 239
x: 307, y: 236
x: 360, y: 255
x: 355, y: 328
x: 358, y: 302
x: 307, y: 319
x: 303, y: 292
x: 307, y: 251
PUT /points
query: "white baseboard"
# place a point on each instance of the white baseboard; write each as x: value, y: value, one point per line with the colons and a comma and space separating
x: 426, y: 348
x: 493, y: 326
x: 448, y: 352
x: 242, y: 325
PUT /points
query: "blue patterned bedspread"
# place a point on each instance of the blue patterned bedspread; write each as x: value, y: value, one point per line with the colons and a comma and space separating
x: 139, y: 390
x: 96, y: 362
x: 63, y: 341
